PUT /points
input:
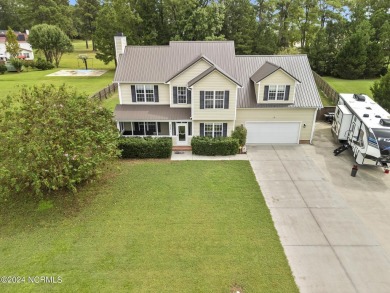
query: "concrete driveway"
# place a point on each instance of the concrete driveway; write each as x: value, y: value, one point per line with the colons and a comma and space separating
x: 335, y: 229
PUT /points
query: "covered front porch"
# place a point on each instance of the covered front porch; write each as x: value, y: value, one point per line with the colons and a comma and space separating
x: 156, y: 121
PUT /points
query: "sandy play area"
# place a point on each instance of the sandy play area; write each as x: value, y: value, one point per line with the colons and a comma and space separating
x: 78, y: 73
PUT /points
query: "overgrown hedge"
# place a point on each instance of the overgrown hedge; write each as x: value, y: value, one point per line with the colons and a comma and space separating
x: 145, y: 147
x: 208, y: 146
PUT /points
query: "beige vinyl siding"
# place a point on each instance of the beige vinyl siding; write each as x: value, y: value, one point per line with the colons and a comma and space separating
x: 272, y: 114
x: 196, y: 126
x: 183, y: 78
x: 163, y: 93
x: 277, y: 78
x: 215, y: 81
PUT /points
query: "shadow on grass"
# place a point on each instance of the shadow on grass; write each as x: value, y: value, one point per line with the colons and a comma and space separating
x: 25, y: 212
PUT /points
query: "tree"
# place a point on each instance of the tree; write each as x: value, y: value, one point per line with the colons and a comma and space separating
x: 51, y: 40
x: 240, y: 24
x: 54, y: 12
x: 9, y: 15
x: 87, y: 11
x: 381, y: 91
x: 52, y: 138
x: 11, y: 44
x: 116, y: 16
x: 352, y: 58
x: 289, y: 12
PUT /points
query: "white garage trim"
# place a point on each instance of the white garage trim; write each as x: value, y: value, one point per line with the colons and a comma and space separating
x: 273, y: 132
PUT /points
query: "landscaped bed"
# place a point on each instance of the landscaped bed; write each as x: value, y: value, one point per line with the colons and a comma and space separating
x: 149, y: 226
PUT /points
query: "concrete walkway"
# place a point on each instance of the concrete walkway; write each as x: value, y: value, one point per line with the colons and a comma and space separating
x: 188, y: 156
x: 327, y: 245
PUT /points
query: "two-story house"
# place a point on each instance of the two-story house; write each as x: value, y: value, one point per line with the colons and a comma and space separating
x: 190, y: 89
x: 26, y: 51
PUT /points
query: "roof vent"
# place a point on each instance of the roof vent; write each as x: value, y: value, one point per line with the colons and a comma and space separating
x: 377, y: 116
x: 366, y: 115
x: 385, y: 122
x: 368, y: 108
x: 359, y: 98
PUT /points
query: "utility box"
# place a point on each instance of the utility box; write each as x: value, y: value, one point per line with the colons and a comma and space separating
x: 342, y: 122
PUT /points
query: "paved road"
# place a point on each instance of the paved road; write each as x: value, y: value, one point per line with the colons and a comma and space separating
x: 335, y: 229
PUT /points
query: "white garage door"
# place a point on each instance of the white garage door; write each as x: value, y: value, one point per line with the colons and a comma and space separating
x: 272, y: 132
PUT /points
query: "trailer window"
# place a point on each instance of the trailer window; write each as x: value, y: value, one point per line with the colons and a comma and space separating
x: 360, y: 141
x: 383, y: 138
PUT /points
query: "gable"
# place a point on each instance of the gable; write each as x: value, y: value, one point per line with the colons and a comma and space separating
x: 278, y: 77
x: 191, y: 72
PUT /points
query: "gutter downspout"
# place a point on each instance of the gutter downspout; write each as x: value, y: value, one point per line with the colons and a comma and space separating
x: 313, y: 126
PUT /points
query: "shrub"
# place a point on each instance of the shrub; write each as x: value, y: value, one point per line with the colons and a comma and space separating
x: 148, y: 147
x: 52, y: 138
x: 381, y: 91
x: 208, y: 146
x: 42, y: 64
x: 240, y: 133
x: 17, y: 63
x: 29, y: 64
x: 3, y: 68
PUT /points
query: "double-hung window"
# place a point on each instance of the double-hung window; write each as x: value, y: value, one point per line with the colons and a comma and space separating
x: 276, y: 92
x: 213, y: 129
x: 144, y: 93
x: 209, y: 100
x: 181, y: 95
x: 214, y: 99
x: 219, y: 98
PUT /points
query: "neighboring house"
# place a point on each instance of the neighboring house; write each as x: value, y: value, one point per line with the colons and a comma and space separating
x: 26, y: 52
x: 190, y: 89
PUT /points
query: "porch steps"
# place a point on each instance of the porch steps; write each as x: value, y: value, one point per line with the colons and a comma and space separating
x: 181, y: 148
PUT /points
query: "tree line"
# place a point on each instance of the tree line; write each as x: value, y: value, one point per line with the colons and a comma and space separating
x: 343, y: 38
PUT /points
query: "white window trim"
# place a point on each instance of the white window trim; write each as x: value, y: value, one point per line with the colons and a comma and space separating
x: 144, y: 93
x: 178, y: 99
x: 213, y: 129
x: 214, y: 95
x: 276, y: 93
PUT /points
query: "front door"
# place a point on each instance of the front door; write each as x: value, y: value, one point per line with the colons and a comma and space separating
x: 181, y: 130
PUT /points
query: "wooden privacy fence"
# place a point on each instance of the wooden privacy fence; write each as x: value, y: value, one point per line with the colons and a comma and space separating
x: 106, y: 92
x: 326, y: 88
x: 321, y: 113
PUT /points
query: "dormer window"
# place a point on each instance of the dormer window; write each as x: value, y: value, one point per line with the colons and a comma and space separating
x: 276, y: 92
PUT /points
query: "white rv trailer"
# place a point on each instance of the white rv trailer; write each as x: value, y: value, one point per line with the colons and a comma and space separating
x: 364, y: 126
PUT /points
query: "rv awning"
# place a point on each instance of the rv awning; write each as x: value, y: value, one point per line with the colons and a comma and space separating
x: 150, y: 112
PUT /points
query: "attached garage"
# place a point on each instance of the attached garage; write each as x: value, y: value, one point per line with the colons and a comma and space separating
x: 272, y: 132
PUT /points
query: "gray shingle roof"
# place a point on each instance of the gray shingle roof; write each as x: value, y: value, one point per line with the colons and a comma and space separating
x: 150, y: 112
x: 157, y: 64
x: 267, y: 69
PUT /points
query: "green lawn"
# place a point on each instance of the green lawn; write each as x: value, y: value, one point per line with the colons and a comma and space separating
x: 324, y: 99
x: 359, y: 86
x: 11, y: 81
x: 149, y: 226
x: 111, y: 102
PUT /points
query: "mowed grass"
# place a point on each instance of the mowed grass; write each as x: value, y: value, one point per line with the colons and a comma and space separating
x: 149, y: 226
x: 11, y: 81
x: 359, y: 86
